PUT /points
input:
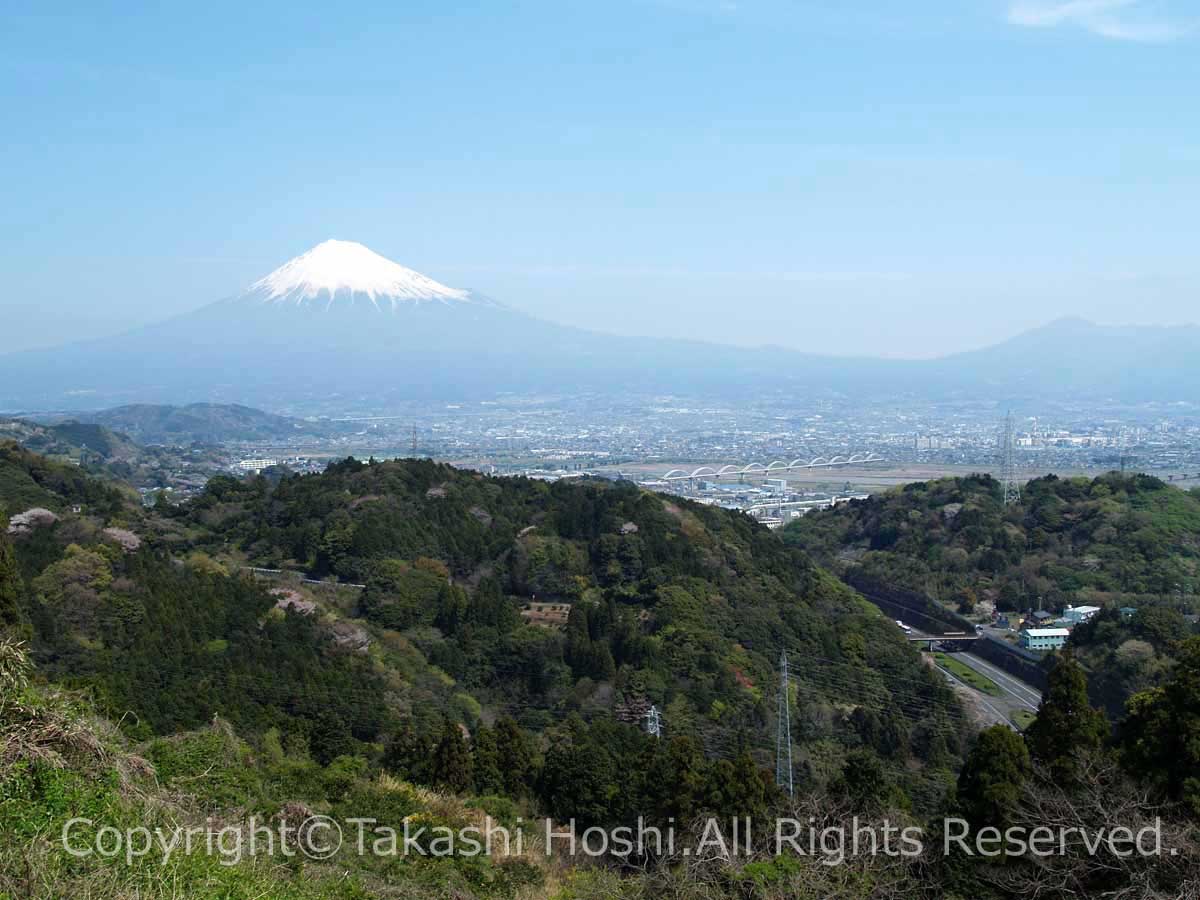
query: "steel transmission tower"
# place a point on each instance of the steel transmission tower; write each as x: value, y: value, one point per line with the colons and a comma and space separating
x: 653, y: 723
x: 783, y: 731
x: 1125, y: 458
x: 1008, y: 464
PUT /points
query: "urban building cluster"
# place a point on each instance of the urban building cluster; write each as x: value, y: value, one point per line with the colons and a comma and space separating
x: 643, y: 438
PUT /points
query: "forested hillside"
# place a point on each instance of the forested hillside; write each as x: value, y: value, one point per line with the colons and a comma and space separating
x: 660, y: 601
x: 1116, y: 541
x: 206, y: 423
x: 72, y: 440
x: 97, y: 450
x: 497, y: 641
x: 28, y: 479
x: 566, y: 609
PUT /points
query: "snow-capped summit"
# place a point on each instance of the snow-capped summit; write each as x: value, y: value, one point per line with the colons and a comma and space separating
x: 344, y: 271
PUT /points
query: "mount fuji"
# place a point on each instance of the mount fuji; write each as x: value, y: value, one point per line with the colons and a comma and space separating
x: 341, y: 325
x: 342, y: 273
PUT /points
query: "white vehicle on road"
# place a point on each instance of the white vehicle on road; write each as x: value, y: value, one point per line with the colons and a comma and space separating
x: 905, y: 628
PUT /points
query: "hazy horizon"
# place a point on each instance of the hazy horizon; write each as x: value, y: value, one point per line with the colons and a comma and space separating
x: 156, y: 314
x: 910, y: 181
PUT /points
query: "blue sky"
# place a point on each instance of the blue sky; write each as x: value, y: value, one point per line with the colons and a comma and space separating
x: 899, y: 178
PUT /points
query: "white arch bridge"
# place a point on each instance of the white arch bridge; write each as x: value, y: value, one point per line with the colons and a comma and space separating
x: 778, y: 465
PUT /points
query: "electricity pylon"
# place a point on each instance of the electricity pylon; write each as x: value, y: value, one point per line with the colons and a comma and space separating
x: 1008, y: 464
x: 783, y: 732
x: 653, y: 723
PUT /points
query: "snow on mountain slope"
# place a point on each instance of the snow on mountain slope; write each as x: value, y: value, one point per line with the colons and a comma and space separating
x: 342, y: 271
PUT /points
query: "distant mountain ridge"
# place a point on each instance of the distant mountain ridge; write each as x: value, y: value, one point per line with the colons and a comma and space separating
x: 342, y: 324
x: 206, y: 423
x: 1129, y: 361
x: 93, y: 448
x: 69, y: 439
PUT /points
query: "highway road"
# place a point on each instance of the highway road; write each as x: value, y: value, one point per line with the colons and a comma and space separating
x: 1017, y: 696
x: 990, y: 710
x: 1018, y: 690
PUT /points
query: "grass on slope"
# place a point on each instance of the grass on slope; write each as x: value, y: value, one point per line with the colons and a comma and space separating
x: 1023, y: 718
x: 967, y: 675
x: 59, y: 762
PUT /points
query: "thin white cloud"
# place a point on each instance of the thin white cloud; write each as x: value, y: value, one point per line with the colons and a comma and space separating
x: 1117, y: 19
x: 1146, y: 32
x: 1043, y: 15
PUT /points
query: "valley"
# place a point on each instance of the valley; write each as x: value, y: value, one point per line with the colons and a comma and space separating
x: 641, y: 450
